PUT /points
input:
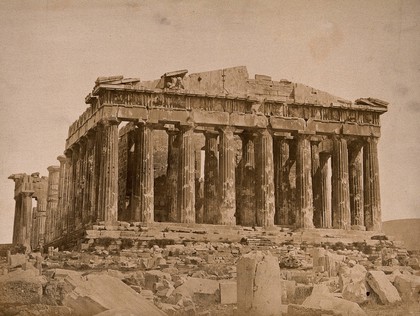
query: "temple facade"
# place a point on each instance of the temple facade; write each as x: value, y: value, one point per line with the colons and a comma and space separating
x: 271, y: 153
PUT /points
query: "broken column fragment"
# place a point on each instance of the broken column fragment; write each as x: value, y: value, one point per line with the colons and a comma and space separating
x: 259, y: 291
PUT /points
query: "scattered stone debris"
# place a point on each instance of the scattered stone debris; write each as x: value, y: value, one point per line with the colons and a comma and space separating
x: 207, y: 276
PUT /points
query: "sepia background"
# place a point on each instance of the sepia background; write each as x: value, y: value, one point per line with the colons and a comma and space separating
x: 53, y: 51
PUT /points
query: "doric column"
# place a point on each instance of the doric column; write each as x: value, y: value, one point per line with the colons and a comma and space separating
x: 109, y: 185
x: 73, y: 192
x: 35, y: 229
x: 318, y: 184
x: 143, y: 207
x: 324, y: 191
x: 226, y: 177
x: 246, y: 208
x: 123, y: 149
x: 340, y: 184
x: 356, y: 186
x: 100, y: 171
x: 372, y: 197
x: 27, y: 219
x: 52, y: 203
x: 80, y: 184
x: 304, y: 216
x: 17, y: 223
x: 211, y: 175
x: 41, y: 227
x: 282, y: 164
x: 92, y: 176
x: 60, y: 205
x: 264, y: 171
x: 186, y: 176
x: 17, y: 229
x: 67, y: 192
x: 172, y: 175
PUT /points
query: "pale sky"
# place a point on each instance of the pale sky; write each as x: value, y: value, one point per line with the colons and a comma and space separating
x: 53, y: 51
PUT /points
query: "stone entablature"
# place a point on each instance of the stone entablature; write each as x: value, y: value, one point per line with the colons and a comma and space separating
x: 293, y: 138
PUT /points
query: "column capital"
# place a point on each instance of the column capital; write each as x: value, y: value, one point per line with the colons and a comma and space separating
x: 61, y: 159
x: 371, y: 140
x: 210, y: 134
x: 27, y: 193
x: 172, y: 131
x: 226, y: 129
x: 110, y: 121
x: 186, y: 128
x: 53, y: 169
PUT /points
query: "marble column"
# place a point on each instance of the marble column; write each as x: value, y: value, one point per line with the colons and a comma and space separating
x: 246, y: 211
x: 109, y: 185
x: 317, y: 181
x: 123, y: 149
x: 372, y: 197
x: 35, y: 229
x: 42, y: 229
x: 52, y: 203
x: 67, y: 191
x: 282, y: 166
x: 26, y: 219
x: 186, y: 176
x: 60, y: 205
x: 80, y: 183
x: 92, y: 175
x: 73, y: 192
x: 264, y: 179
x: 325, y: 219
x: 227, y: 192
x: 143, y: 207
x: 17, y: 220
x: 211, y: 175
x: 356, y: 186
x: 172, y: 175
x: 100, y: 171
x: 304, y: 197
x: 340, y: 184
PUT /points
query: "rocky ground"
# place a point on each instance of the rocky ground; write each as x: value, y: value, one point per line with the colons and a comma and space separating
x: 177, y: 270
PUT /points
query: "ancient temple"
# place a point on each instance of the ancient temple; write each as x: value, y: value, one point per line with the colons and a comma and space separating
x: 214, y: 147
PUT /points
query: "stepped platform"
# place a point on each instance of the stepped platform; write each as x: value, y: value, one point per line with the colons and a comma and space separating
x: 176, y: 233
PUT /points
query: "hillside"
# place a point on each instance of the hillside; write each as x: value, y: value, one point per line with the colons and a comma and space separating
x: 406, y: 230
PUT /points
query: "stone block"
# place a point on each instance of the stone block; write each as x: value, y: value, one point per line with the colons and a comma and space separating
x: 91, y: 233
x: 322, y: 299
x: 408, y: 287
x: 228, y: 292
x: 95, y: 293
x: 110, y: 234
x: 380, y: 284
x: 199, y: 286
x: 21, y: 287
x: 352, y: 282
x: 302, y: 292
x: 16, y: 260
x: 258, y: 284
x: 154, y: 276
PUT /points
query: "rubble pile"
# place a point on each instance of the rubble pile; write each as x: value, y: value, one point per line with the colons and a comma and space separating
x: 200, y: 271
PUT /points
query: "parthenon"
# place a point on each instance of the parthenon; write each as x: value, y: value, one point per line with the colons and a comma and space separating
x: 238, y: 151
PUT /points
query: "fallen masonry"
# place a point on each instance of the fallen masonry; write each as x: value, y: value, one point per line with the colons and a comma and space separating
x: 196, y: 271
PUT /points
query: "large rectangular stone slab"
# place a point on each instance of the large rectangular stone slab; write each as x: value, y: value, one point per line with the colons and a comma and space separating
x: 380, y: 284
